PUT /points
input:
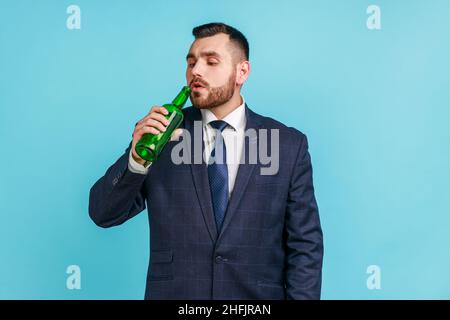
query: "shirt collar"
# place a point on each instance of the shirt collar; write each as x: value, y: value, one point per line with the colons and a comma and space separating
x: 235, y: 119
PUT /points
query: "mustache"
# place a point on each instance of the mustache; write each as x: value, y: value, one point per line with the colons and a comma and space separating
x: 201, y: 81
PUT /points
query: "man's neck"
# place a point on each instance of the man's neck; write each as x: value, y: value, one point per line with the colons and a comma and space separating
x: 225, y: 109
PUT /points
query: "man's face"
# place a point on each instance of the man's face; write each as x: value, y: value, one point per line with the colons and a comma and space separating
x: 211, y: 72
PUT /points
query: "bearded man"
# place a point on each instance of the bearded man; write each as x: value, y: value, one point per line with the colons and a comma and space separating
x: 223, y: 228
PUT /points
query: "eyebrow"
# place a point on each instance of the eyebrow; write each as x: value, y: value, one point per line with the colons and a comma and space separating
x: 205, y: 53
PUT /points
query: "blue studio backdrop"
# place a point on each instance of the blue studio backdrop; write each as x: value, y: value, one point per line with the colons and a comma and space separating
x: 367, y: 81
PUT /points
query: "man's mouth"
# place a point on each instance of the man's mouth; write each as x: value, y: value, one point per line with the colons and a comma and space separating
x: 197, y: 86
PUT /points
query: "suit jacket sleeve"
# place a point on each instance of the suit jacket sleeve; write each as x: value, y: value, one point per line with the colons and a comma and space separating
x: 118, y: 195
x: 304, y: 240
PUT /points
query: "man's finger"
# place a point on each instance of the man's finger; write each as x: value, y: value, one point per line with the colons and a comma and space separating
x: 158, y: 109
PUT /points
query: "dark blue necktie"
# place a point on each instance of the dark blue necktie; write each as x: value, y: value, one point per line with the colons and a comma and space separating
x: 218, y: 174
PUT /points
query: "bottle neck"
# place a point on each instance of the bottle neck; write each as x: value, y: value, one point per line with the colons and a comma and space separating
x: 182, y: 97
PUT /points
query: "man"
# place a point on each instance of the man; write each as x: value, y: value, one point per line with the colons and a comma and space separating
x: 220, y: 229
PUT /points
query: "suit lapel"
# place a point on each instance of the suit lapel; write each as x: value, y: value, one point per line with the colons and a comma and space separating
x: 245, y: 170
x: 200, y: 176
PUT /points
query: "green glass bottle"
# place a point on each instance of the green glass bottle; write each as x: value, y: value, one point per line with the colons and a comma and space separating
x: 150, y: 145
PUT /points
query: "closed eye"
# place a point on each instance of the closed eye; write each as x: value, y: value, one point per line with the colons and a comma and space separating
x: 191, y: 62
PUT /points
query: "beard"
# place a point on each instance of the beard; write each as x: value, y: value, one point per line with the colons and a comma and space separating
x: 214, y: 96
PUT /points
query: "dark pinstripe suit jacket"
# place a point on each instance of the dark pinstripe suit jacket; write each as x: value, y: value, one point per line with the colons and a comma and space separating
x: 270, y: 245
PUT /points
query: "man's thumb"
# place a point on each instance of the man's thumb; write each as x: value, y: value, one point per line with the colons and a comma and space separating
x: 176, y: 134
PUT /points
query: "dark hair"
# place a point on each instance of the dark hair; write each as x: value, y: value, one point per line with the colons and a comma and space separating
x: 211, y: 29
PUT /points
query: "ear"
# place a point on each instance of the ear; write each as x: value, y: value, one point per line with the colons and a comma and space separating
x: 242, y: 72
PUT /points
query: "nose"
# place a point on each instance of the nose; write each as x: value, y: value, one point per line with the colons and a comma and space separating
x: 197, y: 70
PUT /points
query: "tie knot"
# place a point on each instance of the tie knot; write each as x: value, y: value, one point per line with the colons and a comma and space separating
x: 219, y: 124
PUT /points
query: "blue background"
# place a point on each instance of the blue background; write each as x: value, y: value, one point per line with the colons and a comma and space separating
x: 373, y: 103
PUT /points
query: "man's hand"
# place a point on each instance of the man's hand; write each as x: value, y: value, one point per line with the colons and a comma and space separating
x: 154, y: 122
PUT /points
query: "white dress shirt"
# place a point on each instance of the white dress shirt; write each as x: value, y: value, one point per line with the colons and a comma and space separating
x: 233, y: 136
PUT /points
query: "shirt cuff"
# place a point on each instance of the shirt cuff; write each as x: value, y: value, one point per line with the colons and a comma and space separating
x: 136, y: 167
